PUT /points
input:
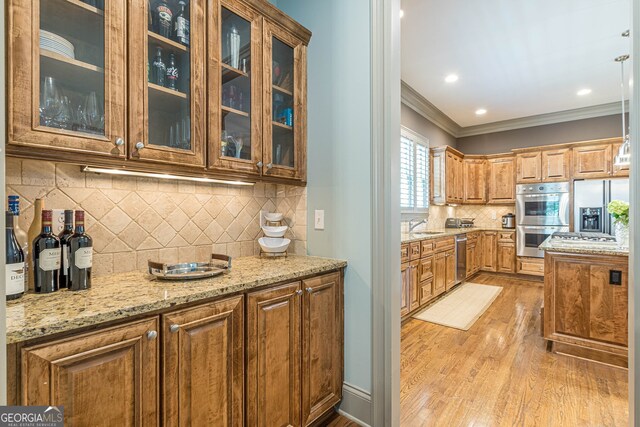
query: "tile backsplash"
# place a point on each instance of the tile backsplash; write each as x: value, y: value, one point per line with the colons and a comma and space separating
x: 134, y: 219
x: 484, y: 214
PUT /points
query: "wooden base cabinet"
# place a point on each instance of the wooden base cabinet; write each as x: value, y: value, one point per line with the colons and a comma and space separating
x: 450, y: 269
x: 489, y: 258
x: 405, y: 272
x: 203, y: 371
x: 110, y: 375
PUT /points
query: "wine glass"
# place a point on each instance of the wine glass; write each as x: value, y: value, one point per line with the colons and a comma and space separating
x: 238, y: 142
x: 171, y: 136
x: 50, y: 102
x: 92, y: 117
x: 65, y: 118
x: 177, y: 141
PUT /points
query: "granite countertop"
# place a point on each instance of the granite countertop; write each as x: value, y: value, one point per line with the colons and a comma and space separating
x: 445, y: 232
x: 122, y: 295
x: 590, y: 248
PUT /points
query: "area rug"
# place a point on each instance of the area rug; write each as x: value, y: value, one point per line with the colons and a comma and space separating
x: 462, y: 307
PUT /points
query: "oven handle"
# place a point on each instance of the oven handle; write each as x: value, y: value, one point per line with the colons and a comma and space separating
x: 542, y: 227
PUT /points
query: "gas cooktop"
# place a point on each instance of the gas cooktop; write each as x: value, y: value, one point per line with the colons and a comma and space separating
x: 585, y: 237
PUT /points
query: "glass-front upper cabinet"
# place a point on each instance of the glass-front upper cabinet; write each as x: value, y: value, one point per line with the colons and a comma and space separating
x: 284, y: 150
x: 235, y: 78
x: 167, y: 99
x: 67, y: 83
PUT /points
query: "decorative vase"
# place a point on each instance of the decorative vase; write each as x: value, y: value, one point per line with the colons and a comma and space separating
x: 621, y: 232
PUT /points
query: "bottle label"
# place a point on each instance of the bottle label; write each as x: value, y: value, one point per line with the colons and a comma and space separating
x: 84, y: 258
x: 14, y: 276
x: 172, y: 73
x: 49, y: 259
x: 164, y: 13
x: 182, y: 29
x: 65, y: 260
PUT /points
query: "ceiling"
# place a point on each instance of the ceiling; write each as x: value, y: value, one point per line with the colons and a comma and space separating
x: 514, y: 58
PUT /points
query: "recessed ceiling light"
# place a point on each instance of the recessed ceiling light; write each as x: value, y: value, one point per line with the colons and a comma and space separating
x: 451, y: 78
x: 481, y: 112
x: 401, y: 13
x: 583, y: 92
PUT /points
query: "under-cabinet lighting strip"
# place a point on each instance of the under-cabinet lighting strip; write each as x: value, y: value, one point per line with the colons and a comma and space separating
x: 162, y: 176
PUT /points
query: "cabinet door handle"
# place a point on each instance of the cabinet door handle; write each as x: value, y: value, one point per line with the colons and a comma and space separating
x: 119, y: 142
x: 269, y: 165
x: 259, y: 164
x: 139, y: 145
x: 152, y: 335
x: 174, y: 328
x: 309, y: 290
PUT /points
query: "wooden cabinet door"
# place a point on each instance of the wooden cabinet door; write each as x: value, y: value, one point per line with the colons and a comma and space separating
x: 405, y: 271
x: 489, y: 260
x: 284, y: 121
x: 459, y: 180
x: 506, y: 257
x: 235, y: 89
x: 273, y: 356
x: 556, y: 165
x: 501, y: 180
x: 477, y: 261
x: 109, y: 377
x: 67, y: 107
x: 528, y: 167
x: 203, y: 372
x: 451, y: 178
x: 438, y: 177
x: 414, y: 286
x: 425, y: 279
x: 440, y: 273
x: 450, y: 269
x: 586, y: 305
x: 618, y: 170
x: 167, y: 125
x: 322, y: 345
x: 592, y: 161
x: 471, y: 256
x: 475, y: 188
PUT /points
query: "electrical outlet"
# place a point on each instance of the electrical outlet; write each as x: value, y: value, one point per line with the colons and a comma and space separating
x: 494, y: 216
x: 318, y: 222
x: 57, y: 223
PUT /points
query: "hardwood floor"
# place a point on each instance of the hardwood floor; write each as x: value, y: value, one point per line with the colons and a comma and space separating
x: 340, y: 421
x: 498, y: 373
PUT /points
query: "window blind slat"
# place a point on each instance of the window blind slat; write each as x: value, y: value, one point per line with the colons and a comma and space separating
x: 414, y: 174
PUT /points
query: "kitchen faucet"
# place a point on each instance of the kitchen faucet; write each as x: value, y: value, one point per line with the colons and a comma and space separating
x: 413, y: 225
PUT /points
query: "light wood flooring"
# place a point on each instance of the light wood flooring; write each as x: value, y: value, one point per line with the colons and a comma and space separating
x: 499, y: 373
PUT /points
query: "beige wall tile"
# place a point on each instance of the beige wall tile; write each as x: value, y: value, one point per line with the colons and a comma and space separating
x: 13, y: 171
x: 124, y: 261
x: 102, y: 264
x: 38, y: 173
x: 69, y: 176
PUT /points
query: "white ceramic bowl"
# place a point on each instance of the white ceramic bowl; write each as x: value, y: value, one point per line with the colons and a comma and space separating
x: 274, y: 231
x: 273, y: 244
x: 273, y: 216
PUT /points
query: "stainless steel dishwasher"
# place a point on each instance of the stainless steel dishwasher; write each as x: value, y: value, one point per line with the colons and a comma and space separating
x: 461, y: 257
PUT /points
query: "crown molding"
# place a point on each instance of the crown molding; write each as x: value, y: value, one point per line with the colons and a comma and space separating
x: 412, y: 99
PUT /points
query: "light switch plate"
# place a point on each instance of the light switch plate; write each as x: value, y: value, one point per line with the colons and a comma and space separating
x: 57, y: 223
x: 318, y: 222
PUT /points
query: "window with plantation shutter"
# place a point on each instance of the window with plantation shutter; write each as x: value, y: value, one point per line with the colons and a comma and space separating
x: 414, y: 172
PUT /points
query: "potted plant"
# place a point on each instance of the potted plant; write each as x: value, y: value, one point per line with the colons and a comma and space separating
x: 619, y: 210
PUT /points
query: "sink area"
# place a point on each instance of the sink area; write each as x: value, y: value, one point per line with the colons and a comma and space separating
x: 426, y: 233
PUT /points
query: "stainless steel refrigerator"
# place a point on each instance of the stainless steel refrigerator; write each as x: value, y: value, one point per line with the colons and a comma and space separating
x: 590, y: 200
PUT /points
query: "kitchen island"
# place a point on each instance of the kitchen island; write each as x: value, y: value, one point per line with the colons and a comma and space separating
x: 262, y: 342
x: 586, y: 300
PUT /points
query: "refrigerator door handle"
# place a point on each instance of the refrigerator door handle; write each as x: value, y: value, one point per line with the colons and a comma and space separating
x: 606, y: 220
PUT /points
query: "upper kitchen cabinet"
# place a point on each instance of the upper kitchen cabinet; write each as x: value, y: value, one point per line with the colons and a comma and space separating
x: 235, y: 87
x: 284, y: 110
x: 167, y: 81
x: 447, y: 176
x: 618, y: 170
x: 501, y: 179
x: 528, y: 167
x: 592, y: 161
x: 66, y: 78
x: 475, y: 180
x: 556, y: 165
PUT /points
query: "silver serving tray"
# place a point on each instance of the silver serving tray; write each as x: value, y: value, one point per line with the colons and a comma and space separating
x: 190, y: 270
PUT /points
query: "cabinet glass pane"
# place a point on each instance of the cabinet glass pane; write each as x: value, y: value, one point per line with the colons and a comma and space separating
x: 169, y: 74
x: 236, y: 86
x: 282, y: 90
x: 71, y: 91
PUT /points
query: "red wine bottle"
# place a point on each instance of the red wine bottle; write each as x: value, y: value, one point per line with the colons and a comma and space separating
x: 64, y: 237
x: 46, y: 257
x: 80, y: 256
x: 14, y: 266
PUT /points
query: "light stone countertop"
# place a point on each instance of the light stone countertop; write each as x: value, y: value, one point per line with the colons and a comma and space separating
x: 119, y: 296
x: 589, y: 248
x: 445, y: 232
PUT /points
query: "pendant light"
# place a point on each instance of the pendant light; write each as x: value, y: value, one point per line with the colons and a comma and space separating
x: 623, y: 158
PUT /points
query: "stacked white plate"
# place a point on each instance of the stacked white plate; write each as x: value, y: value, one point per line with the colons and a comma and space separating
x: 56, y: 44
x: 274, y: 241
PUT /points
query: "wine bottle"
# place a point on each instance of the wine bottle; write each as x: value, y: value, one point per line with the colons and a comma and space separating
x: 81, y: 256
x: 14, y: 266
x: 159, y: 70
x: 64, y: 237
x: 34, y: 231
x: 46, y: 257
x: 172, y: 73
x: 181, y: 25
x: 21, y: 235
x: 164, y: 17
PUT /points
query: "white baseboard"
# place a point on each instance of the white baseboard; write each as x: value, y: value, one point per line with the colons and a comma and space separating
x: 355, y: 405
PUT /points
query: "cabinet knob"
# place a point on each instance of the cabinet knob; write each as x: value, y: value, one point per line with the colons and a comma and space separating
x: 269, y: 165
x: 299, y: 292
x: 119, y: 142
x: 152, y: 335
x: 259, y: 164
x: 309, y: 290
x: 139, y: 145
x: 174, y: 328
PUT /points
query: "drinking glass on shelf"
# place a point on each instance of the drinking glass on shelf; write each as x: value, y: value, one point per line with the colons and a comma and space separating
x: 171, y: 136
x: 50, y: 102
x: 177, y: 142
x: 238, y: 142
x: 65, y: 118
x: 186, y: 133
x: 93, y: 119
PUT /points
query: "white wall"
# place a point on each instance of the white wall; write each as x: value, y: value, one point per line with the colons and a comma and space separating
x: 339, y: 165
